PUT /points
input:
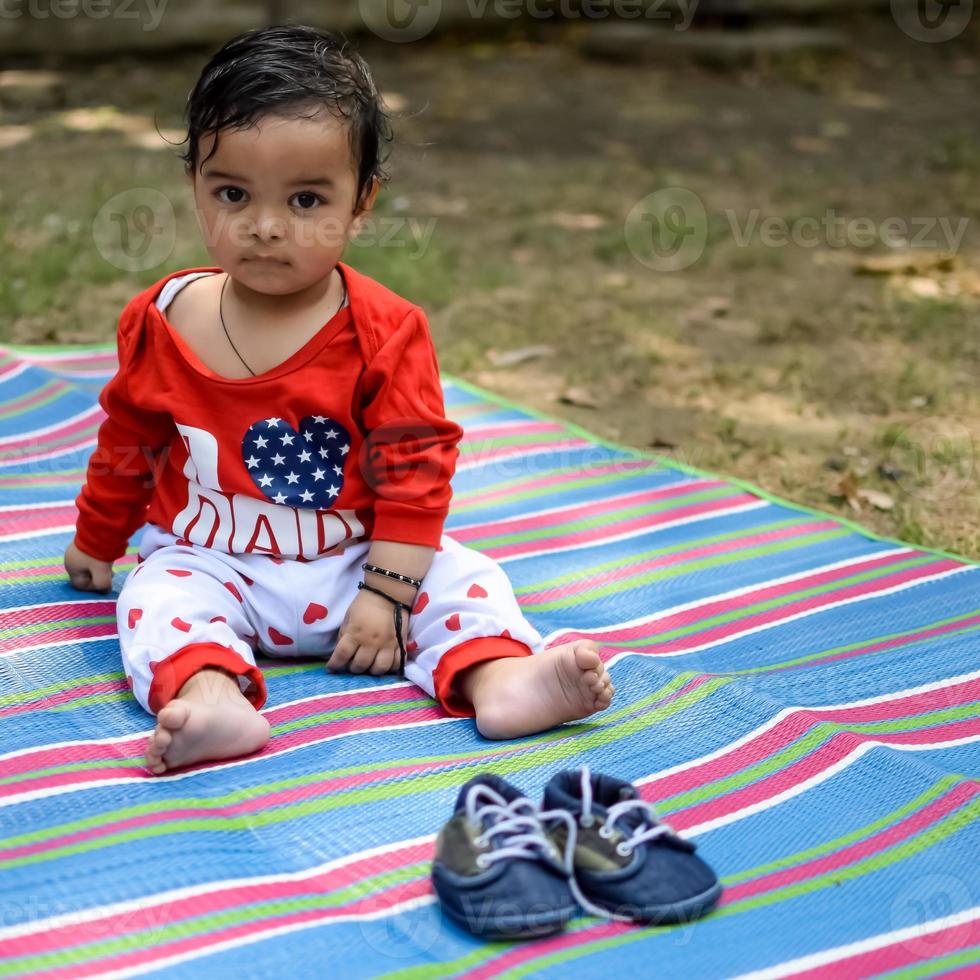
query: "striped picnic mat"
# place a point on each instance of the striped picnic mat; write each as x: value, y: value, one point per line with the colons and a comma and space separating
x: 798, y: 696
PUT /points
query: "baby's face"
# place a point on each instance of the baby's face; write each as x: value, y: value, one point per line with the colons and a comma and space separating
x: 276, y: 203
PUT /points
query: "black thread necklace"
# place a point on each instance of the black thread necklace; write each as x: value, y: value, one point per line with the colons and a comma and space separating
x: 221, y: 314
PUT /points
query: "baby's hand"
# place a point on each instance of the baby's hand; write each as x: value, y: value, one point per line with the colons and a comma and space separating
x: 367, y: 637
x: 87, y: 573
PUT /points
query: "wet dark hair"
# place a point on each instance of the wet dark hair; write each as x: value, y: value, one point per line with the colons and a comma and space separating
x: 296, y: 72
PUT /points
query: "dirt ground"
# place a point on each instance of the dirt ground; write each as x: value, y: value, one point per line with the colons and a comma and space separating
x: 517, y: 179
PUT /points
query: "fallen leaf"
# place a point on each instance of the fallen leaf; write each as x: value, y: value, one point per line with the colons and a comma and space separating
x: 508, y: 358
x: 911, y: 262
x: 575, y: 222
x: 848, y: 489
x: 580, y: 396
x: 876, y: 498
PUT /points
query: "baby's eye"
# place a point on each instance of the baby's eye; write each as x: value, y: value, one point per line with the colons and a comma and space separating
x: 306, y: 200
x: 235, y: 195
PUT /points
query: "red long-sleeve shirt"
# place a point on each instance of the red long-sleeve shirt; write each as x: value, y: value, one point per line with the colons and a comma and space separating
x: 346, y: 440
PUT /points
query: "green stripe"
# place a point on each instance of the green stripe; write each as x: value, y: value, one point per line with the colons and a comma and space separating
x: 837, y: 585
x: 33, y: 628
x: 631, y: 582
x: 559, y: 746
x: 875, y: 862
x: 869, y: 642
x: 933, y: 967
x: 155, y: 935
x: 18, y: 406
x: 602, y: 479
x: 614, y: 514
x: 476, y: 445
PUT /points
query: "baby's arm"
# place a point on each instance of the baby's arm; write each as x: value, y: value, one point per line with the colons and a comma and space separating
x: 122, y: 469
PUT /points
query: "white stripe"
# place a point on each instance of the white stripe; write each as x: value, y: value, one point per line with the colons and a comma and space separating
x: 53, y: 454
x: 738, y: 593
x: 33, y: 607
x: 513, y: 424
x: 519, y: 453
x: 20, y: 369
x: 36, y: 506
x: 838, y: 953
x: 157, y: 899
x: 812, y: 612
x: 40, y: 532
x: 565, y: 508
x: 60, y: 424
x: 638, y: 533
x: 191, y: 891
x: 830, y: 771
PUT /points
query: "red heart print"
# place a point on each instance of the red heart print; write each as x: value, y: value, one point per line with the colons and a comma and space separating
x: 178, y: 623
x: 218, y: 619
x: 476, y: 591
x: 246, y: 579
x: 420, y: 603
x: 232, y: 588
x: 178, y: 572
x: 453, y: 622
x: 129, y: 682
x: 411, y: 646
x: 506, y: 635
x: 314, y: 611
x: 280, y: 638
x: 135, y: 615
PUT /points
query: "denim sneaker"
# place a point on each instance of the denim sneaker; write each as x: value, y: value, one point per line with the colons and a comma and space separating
x: 495, y: 870
x: 627, y: 865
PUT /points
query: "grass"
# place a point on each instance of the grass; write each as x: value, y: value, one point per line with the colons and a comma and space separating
x: 774, y: 364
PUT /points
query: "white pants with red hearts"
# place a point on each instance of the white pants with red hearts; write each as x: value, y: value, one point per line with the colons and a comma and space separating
x: 184, y: 607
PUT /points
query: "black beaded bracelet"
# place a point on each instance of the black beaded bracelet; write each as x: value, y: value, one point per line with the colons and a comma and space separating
x: 417, y: 582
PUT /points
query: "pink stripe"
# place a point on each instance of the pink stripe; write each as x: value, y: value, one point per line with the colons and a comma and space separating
x: 37, y: 519
x: 890, y: 643
x: 645, y: 522
x: 556, y: 479
x: 142, y: 919
x: 676, y: 558
x: 914, y: 824
x: 62, y: 698
x: 63, y: 635
x: 133, y: 747
x: 10, y: 459
x: 86, y: 421
x: 574, y: 512
x: 913, y: 950
x: 780, y: 613
x: 714, y: 607
x: 335, y: 785
x: 773, y: 740
x: 10, y: 366
x: 31, y: 398
x: 29, y: 481
x: 489, y: 454
x: 499, y: 429
x: 839, y: 746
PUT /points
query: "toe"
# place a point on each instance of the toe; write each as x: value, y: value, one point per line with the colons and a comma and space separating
x: 174, y: 715
x: 587, y: 656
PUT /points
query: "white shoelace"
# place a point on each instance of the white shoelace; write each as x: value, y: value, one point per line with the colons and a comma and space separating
x: 521, y: 823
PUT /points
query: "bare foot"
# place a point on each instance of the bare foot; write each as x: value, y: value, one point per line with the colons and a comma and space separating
x: 516, y: 696
x: 209, y: 719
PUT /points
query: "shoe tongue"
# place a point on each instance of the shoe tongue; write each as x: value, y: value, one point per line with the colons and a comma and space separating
x: 488, y: 779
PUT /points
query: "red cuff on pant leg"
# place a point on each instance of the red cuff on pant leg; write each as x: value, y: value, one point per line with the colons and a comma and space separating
x: 457, y: 659
x: 170, y: 675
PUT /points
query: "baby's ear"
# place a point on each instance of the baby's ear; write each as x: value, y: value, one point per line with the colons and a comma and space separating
x: 366, y: 203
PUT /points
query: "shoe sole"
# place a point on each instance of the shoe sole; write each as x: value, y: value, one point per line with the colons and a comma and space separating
x: 676, y: 912
x: 516, y: 927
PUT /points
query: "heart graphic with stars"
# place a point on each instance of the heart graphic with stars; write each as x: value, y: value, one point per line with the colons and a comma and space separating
x: 299, y: 468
